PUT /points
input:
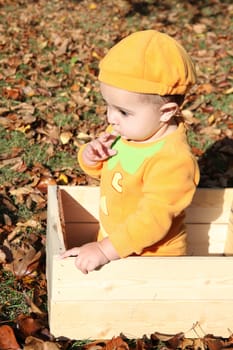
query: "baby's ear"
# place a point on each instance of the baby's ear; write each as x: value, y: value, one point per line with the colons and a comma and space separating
x: 168, y: 110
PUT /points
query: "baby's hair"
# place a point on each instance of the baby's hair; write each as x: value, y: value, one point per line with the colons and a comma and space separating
x: 157, y: 99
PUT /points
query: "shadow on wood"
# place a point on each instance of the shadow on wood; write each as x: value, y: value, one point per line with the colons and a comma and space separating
x: 207, y: 218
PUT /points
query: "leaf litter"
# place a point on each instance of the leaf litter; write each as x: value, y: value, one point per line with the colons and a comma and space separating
x: 50, y: 105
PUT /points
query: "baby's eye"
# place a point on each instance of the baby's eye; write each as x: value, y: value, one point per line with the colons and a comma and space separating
x: 124, y: 113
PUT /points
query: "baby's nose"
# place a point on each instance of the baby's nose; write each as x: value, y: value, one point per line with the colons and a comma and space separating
x: 112, y: 116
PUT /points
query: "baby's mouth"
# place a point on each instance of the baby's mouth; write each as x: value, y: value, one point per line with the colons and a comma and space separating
x: 115, y: 132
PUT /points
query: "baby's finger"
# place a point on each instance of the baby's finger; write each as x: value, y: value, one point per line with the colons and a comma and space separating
x: 108, y: 137
x: 99, y: 149
x: 81, y: 266
x: 70, y: 252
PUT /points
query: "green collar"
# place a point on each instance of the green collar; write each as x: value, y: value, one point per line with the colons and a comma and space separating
x: 130, y: 157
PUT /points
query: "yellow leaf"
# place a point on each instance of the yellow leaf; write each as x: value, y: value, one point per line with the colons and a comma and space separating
x: 92, y: 6
x: 95, y: 55
x: 63, y: 179
x: 65, y: 137
x: 211, y: 119
x: 229, y: 91
x: 23, y: 128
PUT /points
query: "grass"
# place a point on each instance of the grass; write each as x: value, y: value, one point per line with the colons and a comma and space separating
x: 201, y: 142
x: 220, y: 102
x: 31, y: 153
x: 12, y: 301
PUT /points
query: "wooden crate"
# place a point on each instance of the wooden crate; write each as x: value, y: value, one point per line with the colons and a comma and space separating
x: 140, y: 295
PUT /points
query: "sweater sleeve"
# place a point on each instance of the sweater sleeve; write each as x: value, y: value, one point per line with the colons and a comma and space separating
x: 168, y: 188
x: 93, y: 171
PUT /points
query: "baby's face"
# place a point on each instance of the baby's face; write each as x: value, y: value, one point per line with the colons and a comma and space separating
x: 132, y: 116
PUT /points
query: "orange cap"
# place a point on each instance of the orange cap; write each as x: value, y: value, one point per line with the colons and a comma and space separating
x: 148, y: 62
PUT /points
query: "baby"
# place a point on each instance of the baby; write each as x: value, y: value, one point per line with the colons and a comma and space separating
x: 148, y: 175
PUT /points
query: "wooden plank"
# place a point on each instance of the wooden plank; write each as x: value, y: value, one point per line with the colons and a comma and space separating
x: 54, y: 231
x: 80, y: 205
x: 88, y: 320
x: 86, y: 196
x: 78, y: 208
x: 54, y: 237
x: 228, y: 248
x: 151, y: 278
x: 210, y: 205
x: 78, y: 234
x: 206, y: 239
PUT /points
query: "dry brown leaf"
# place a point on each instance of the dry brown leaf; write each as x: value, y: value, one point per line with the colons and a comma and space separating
x: 189, y: 117
x: 5, y: 122
x: 32, y: 343
x: 33, y: 308
x: 198, y: 344
x: 52, y: 83
x: 172, y: 341
x: 19, y: 194
x: 63, y: 47
x: 205, y: 88
x: 199, y: 28
x: 44, y: 182
x: 213, y: 343
x: 5, y: 254
x: 11, y: 161
x: 25, y: 260
x: 12, y: 93
x: 116, y: 343
x: 210, y: 130
x: 84, y: 137
x: 7, y: 339
x: 28, y: 325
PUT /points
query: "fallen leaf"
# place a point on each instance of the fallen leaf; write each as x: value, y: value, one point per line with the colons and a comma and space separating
x: 32, y: 343
x: 199, y: 28
x: 213, y: 343
x: 205, y: 88
x: 65, y: 137
x: 25, y: 260
x: 44, y: 182
x: 28, y: 325
x: 92, y: 6
x: 228, y: 91
x: 62, y: 180
x: 12, y: 93
x: 211, y: 119
x: 116, y: 343
x: 7, y: 339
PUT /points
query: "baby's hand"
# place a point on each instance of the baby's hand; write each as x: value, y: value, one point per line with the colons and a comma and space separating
x: 88, y: 257
x: 99, y: 149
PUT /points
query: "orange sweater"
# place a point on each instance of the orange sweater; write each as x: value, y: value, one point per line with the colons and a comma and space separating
x: 144, y: 189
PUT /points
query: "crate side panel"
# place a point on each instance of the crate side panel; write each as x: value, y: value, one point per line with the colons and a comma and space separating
x: 228, y: 248
x: 73, y: 210
x: 80, y: 233
x: 210, y: 205
x: 79, y: 202
x: 105, y: 319
x: 54, y: 237
x: 139, y: 278
x: 206, y: 239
